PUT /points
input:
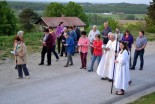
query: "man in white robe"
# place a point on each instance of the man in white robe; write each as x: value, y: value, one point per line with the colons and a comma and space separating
x: 106, y: 66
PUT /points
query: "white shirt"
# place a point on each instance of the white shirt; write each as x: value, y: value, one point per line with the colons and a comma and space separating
x: 92, y: 34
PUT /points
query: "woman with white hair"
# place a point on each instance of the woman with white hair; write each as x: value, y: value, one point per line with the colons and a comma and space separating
x: 106, y: 66
x: 91, y: 37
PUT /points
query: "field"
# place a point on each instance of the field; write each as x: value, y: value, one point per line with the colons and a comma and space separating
x: 120, y: 16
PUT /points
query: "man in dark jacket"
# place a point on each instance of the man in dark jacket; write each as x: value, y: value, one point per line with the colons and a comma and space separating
x: 47, y: 47
x: 105, y: 32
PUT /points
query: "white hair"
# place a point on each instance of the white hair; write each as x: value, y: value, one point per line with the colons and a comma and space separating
x: 111, y: 34
x: 94, y: 26
x: 64, y: 28
x: 20, y: 33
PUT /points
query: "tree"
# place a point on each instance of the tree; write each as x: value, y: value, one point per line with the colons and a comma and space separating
x: 27, y: 19
x: 7, y: 19
x: 150, y: 19
x: 73, y: 9
x: 151, y: 11
x: 54, y: 10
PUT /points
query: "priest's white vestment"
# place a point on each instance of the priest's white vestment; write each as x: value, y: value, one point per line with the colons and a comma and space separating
x: 106, y: 65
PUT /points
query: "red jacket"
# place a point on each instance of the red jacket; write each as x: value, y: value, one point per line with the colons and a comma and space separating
x: 97, y: 47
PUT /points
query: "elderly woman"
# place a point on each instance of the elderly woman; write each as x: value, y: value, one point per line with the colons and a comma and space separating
x: 21, y: 53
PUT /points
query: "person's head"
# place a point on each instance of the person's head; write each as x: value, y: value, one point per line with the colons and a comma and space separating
x: 50, y: 29
x: 97, y: 37
x: 123, y: 45
x: 64, y: 29
x: 61, y: 23
x: 141, y: 33
x: 94, y: 28
x: 111, y: 36
x: 117, y: 31
x: 18, y: 40
x: 46, y: 31
x: 66, y: 35
x: 20, y: 34
x: 105, y: 24
x: 83, y: 34
x: 127, y: 33
x: 70, y: 28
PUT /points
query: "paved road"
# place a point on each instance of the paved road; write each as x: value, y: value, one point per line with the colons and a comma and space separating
x: 58, y: 85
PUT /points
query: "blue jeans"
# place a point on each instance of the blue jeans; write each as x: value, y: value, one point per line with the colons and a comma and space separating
x: 93, y: 61
x: 136, y: 54
x: 22, y: 68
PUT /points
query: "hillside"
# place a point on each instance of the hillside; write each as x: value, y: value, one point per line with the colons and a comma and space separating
x: 88, y: 7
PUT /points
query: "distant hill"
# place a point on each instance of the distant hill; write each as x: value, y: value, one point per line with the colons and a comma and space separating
x: 88, y: 7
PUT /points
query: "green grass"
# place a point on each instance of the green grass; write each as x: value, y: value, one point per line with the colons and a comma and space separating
x: 31, y: 40
x: 147, y: 99
x: 119, y: 16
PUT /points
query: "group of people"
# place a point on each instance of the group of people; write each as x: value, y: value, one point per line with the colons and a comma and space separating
x: 112, y: 51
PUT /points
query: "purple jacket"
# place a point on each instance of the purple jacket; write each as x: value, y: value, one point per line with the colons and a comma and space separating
x: 129, y: 40
x: 59, y: 30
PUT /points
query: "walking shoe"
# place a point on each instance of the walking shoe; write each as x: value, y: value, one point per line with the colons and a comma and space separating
x: 41, y: 64
x: 81, y: 67
x: 103, y: 78
x: 132, y: 68
x: 57, y: 60
x: 48, y: 64
x: 28, y: 77
x: 141, y: 69
x: 90, y: 70
x: 19, y: 77
x: 70, y: 64
x: 110, y: 80
x: 85, y: 67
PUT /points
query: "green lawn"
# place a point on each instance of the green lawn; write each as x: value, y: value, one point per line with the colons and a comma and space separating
x: 147, y: 99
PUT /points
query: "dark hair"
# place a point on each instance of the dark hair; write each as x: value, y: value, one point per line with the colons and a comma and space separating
x: 50, y: 27
x: 18, y: 39
x: 125, y: 45
x: 98, y: 36
x: 46, y: 30
x: 83, y: 33
x: 61, y: 23
x: 127, y: 31
x: 71, y: 27
x: 142, y: 31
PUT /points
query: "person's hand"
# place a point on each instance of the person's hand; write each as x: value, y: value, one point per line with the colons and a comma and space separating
x: 138, y: 49
x: 115, y: 61
x: 44, y: 43
x: 107, y: 49
x: 16, y: 54
x: 116, y: 54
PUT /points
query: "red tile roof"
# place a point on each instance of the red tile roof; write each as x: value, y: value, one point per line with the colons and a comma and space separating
x: 68, y: 21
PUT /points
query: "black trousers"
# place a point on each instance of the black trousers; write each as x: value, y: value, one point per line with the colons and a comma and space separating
x: 136, y: 54
x: 22, y: 68
x: 55, y: 54
x: 59, y: 43
x: 44, y: 51
x: 63, y: 50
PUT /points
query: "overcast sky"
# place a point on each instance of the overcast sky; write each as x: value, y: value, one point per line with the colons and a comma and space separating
x: 93, y: 1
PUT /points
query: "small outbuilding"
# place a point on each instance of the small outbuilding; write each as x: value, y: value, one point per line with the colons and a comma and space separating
x: 55, y: 21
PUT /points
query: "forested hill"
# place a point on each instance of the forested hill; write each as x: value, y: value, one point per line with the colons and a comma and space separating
x: 88, y: 7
